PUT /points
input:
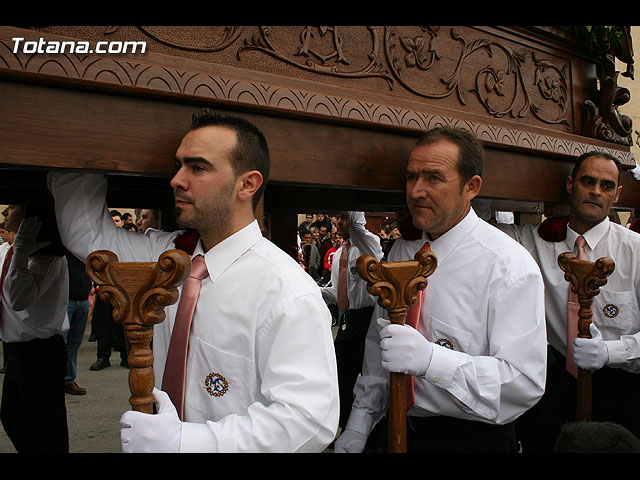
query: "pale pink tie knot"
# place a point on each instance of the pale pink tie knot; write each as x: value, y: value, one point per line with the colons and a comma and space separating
x: 199, y: 268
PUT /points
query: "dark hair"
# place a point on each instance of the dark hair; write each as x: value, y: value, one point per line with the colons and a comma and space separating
x: 251, y: 152
x: 595, y: 153
x: 43, y: 209
x: 596, y: 437
x: 470, y: 156
x: 116, y: 213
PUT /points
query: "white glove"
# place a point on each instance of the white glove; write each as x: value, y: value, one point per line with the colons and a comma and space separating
x: 404, y: 349
x: 350, y: 441
x: 159, y: 433
x: 635, y: 171
x: 25, y: 240
x: 590, y: 353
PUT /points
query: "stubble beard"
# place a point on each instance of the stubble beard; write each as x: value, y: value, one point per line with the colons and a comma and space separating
x: 214, y: 218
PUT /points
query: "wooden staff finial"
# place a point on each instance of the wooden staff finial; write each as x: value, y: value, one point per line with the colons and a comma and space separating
x: 396, y: 285
x: 138, y: 292
x: 585, y: 278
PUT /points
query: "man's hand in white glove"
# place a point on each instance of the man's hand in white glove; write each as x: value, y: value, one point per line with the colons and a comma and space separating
x: 350, y: 441
x: 159, y: 433
x: 590, y: 353
x: 25, y: 240
x: 404, y: 349
x: 635, y: 171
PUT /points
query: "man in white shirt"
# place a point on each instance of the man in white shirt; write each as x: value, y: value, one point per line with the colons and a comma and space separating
x: 613, y: 352
x: 354, y: 312
x: 478, y: 355
x: 33, y: 316
x: 261, y: 372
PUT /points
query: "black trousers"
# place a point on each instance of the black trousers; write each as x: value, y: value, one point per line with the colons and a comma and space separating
x: 615, y: 398
x: 110, y: 335
x: 33, y: 410
x: 454, y: 435
x: 349, y: 347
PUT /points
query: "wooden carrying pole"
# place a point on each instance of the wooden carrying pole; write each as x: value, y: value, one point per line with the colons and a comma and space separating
x: 138, y: 292
x: 396, y: 285
x: 585, y: 278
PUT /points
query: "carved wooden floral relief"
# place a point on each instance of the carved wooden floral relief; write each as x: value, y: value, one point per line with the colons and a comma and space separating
x: 405, y: 76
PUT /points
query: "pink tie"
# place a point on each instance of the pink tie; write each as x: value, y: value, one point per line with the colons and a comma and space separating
x: 572, y: 313
x: 413, y: 319
x: 343, y: 299
x: 174, y: 369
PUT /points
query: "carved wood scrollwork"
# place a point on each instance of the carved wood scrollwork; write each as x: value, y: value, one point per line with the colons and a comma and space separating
x: 492, y: 82
x: 138, y: 292
x: 585, y: 279
x: 396, y: 285
x: 603, y: 120
x: 485, y: 73
x: 334, y: 60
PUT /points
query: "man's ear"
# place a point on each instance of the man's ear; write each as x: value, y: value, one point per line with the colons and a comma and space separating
x: 618, y: 194
x: 473, y: 186
x: 569, y: 184
x: 248, y: 184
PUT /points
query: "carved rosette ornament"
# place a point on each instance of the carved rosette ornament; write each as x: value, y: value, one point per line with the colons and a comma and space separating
x: 138, y: 292
x: 396, y: 285
x: 585, y: 278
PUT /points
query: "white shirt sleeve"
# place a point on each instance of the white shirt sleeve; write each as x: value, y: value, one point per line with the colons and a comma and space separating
x: 367, y: 242
x: 27, y: 285
x: 499, y: 386
x: 85, y: 223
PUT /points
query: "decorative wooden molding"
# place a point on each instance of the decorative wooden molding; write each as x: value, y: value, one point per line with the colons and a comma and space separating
x: 396, y: 285
x: 197, y: 82
x: 139, y: 291
x: 585, y: 279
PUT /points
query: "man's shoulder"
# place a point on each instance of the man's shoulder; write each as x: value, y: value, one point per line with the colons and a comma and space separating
x: 630, y: 236
x: 403, y: 249
x: 276, y: 263
x: 502, y: 247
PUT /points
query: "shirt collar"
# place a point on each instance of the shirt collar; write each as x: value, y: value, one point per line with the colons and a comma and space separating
x: 447, y: 242
x: 220, y: 257
x: 592, y: 236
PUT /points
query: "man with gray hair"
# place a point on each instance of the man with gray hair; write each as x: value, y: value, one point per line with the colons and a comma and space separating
x: 478, y: 352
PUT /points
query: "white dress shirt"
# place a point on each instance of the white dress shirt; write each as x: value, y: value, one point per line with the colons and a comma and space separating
x: 34, y: 302
x: 361, y: 242
x: 615, y: 308
x: 261, y: 372
x: 484, y: 310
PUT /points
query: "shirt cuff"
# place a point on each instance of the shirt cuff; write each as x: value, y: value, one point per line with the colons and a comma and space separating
x: 198, y: 438
x: 360, y: 421
x: 617, y: 351
x: 442, y: 368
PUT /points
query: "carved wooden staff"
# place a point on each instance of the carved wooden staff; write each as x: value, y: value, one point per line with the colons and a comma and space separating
x: 396, y: 285
x: 139, y: 291
x: 586, y: 278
